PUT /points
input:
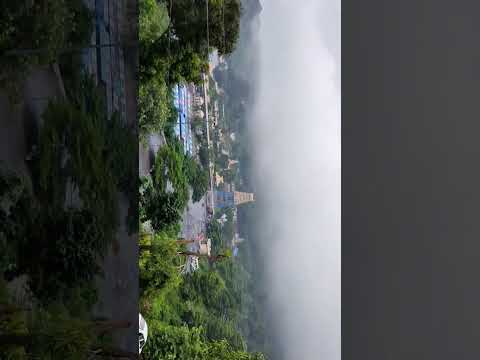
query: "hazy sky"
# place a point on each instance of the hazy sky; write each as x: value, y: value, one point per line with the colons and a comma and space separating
x: 297, y: 152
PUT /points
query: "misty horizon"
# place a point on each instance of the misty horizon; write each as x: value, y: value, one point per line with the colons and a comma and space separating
x: 295, y: 136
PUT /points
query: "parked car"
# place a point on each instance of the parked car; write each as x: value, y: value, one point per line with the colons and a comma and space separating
x: 142, y: 333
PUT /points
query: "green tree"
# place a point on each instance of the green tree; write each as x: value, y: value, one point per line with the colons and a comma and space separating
x: 62, y: 248
x: 176, y: 62
x: 154, y: 106
x: 189, y: 22
x: 73, y: 147
x: 163, y: 209
x: 172, y: 342
x: 153, y: 20
x: 47, y: 24
x: 178, y: 343
x: 222, y: 350
x: 198, y: 178
x: 157, y: 261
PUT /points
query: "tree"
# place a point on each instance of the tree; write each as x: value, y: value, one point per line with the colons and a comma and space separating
x: 181, y: 342
x: 198, y: 178
x: 53, y: 333
x: 222, y: 350
x: 157, y: 261
x: 163, y: 209
x: 153, y: 20
x: 154, y: 106
x: 189, y: 22
x: 170, y: 167
x: 46, y: 24
x: 186, y: 65
x: 73, y: 147
x: 60, y: 249
x: 174, y: 343
x: 172, y: 60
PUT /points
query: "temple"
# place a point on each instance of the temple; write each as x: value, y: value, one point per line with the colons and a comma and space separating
x: 223, y: 199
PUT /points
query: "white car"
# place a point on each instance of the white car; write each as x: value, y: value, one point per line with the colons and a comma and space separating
x: 142, y: 333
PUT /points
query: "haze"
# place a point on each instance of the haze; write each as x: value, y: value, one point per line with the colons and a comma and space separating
x: 295, y: 125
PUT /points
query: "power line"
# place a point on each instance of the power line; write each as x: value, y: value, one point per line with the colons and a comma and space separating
x: 223, y: 26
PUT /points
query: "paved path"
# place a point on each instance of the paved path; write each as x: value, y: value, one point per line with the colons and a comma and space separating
x: 118, y: 289
x: 194, y: 219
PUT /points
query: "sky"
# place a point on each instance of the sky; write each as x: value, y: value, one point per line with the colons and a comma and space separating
x: 297, y: 148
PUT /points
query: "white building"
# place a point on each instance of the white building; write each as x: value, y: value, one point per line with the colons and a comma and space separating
x: 191, y: 265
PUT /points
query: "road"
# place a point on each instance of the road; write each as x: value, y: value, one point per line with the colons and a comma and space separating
x: 210, y: 166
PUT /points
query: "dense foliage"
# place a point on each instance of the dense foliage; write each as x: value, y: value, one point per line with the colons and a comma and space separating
x: 155, y: 106
x: 164, y: 197
x: 158, y: 268
x: 47, y: 25
x: 55, y: 248
x: 182, y: 342
x: 72, y: 149
x: 153, y: 20
x: 189, y: 22
x: 163, y: 209
x: 54, y: 332
x: 56, y: 232
x: 198, y: 178
x: 81, y: 151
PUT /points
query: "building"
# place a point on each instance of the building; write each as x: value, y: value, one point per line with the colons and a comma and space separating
x: 204, y: 246
x: 191, y: 265
x: 222, y: 220
x: 231, y: 163
x: 223, y: 199
x: 182, y: 102
x: 243, y: 197
x: 218, y: 179
x: 237, y: 239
